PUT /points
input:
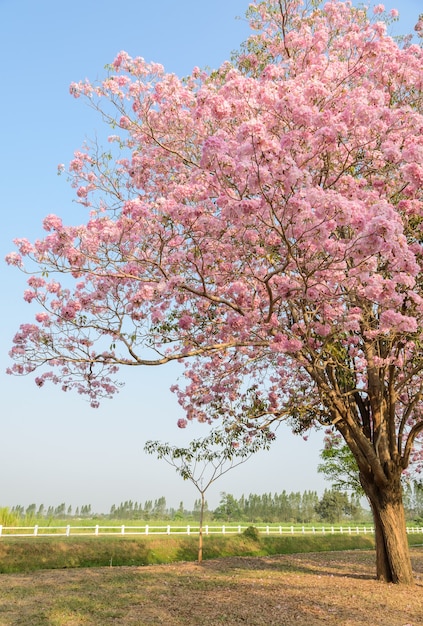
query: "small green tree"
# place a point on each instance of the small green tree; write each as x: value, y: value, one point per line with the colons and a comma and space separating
x: 335, y: 506
x: 340, y: 467
x: 205, y: 460
x: 228, y: 509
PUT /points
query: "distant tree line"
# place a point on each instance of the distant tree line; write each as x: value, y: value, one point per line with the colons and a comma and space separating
x: 61, y: 511
x: 136, y: 510
x: 294, y: 507
x: 333, y: 506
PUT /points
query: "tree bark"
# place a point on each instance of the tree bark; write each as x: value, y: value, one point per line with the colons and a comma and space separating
x: 393, y: 563
x: 200, y: 533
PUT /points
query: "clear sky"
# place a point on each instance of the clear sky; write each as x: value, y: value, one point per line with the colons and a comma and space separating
x: 54, y: 447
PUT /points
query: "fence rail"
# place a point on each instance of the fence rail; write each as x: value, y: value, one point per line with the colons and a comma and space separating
x: 123, y: 530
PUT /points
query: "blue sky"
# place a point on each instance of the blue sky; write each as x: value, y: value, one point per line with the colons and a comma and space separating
x: 54, y: 447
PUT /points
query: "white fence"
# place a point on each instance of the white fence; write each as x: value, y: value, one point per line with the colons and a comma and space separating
x: 125, y: 530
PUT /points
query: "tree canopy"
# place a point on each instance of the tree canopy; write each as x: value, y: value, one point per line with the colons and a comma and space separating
x: 261, y: 223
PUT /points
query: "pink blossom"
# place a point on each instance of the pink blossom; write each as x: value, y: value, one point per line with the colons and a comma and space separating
x: 53, y: 287
x: 397, y: 322
x: 52, y: 222
x: 42, y: 317
x: 121, y: 59
x: 185, y: 321
x: 74, y: 90
x: 124, y: 122
x: 25, y: 247
x: 29, y: 295
x: 13, y: 258
x: 36, y: 282
x: 182, y: 423
x: 69, y: 310
x: 82, y: 192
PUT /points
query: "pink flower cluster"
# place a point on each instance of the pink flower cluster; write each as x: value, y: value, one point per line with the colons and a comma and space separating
x: 261, y: 223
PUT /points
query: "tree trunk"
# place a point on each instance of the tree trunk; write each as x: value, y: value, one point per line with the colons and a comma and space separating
x: 200, y: 533
x: 393, y: 562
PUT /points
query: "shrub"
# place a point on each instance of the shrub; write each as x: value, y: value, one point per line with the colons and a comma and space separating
x: 252, y: 533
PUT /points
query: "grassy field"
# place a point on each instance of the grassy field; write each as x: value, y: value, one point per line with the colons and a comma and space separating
x: 25, y: 555
x: 330, y: 588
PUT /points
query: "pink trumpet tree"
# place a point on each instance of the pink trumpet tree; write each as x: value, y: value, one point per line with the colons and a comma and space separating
x: 263, y: 224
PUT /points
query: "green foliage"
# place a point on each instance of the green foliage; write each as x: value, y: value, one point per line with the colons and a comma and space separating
x: 283, y: 507
x: 413, y: 499
x: 130, y: 510
x: 340, y: 467
x: 204, y: 460
x: 251, y: 532
x: 8, y: 517
x: 335, y: 506
x: 228, y: 509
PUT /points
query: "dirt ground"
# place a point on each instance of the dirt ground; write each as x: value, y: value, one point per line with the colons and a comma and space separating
x: 336, y: 588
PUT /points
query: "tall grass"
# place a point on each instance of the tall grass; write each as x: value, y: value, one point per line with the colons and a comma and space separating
x: 9, y: 518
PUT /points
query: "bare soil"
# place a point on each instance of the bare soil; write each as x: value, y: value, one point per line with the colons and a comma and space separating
x: 335, y: 588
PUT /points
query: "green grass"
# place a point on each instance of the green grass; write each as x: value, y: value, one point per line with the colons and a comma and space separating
x: 29, y: 554
x: 23, y: 555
